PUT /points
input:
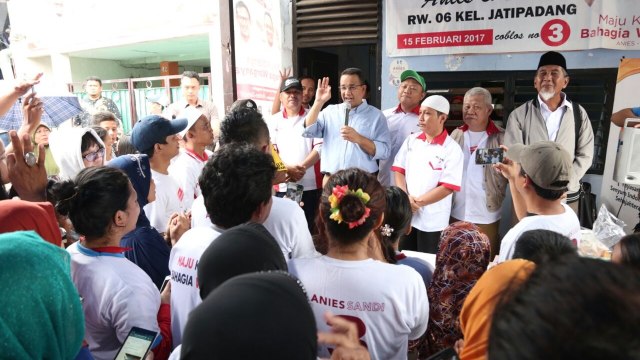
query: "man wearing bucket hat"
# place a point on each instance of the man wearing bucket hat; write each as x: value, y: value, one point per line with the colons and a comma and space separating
x: 402, y: 120
x: 428, y: 168
x: 539, y: 175
x: 551, y: 116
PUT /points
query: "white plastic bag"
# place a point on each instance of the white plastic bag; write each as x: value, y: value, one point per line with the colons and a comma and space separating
x: 608, y: 228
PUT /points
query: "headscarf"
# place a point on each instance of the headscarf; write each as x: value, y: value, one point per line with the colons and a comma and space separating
x: 40, y: 311
x: 253, y: 316
x: 137, y: 168
x: 49, y: 162
x: 463, y: 255
x: 16, y: 215
x: 240, y: 250
x: 475, y: 317
x: 66, y: 147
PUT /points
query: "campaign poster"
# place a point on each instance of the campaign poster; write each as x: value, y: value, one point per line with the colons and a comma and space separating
x: 437, y: 27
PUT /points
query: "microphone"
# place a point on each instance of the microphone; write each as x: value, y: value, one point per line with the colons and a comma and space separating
x: 347, y: 108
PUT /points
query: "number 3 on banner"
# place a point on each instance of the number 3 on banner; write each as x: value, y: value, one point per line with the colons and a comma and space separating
x: 555, y: 32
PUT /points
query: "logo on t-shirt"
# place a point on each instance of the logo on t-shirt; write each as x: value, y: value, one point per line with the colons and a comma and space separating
x: 180, y: 194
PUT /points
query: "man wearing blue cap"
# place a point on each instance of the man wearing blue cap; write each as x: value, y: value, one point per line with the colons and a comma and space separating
x: 552, y: 117
x: 158, y: 138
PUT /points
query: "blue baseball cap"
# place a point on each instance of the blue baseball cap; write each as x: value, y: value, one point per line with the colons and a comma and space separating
x: 154, y: 129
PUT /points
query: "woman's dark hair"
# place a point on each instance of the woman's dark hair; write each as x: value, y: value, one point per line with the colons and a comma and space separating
x: 543, y: 245
x: 125, y: 147
x: 88, y: 140
x: 630, y: 250
x: 397, y: 218
x: 92, y: 199
x: 351, y: 206
x: 243, y: 124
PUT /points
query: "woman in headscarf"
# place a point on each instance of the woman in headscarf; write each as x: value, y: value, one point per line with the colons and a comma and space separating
x: 41, y: 136
x: 477, y: 311
x: 463, y: 256
x: 253, y: 316
x: 16, y: 215
x: 388, y: 302
x: 40, y: 311
x: 240, y: 250
x: 75, y: 149
x: 118, y: 295
x: 149, y: 250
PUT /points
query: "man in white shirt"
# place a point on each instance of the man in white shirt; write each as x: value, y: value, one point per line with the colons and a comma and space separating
x: 236, y: 187
x: 158, y: 138
x: 483, y: 189
x: 298, y: 153
x: 402, y: 120
x: 190, y: 89
x: 539, y: 176
x: 286, y: 222
x: 187, y: 166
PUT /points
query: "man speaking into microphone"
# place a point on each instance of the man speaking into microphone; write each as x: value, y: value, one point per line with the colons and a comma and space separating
x: 354, y: 133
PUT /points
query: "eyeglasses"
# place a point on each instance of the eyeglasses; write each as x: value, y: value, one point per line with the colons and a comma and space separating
x: 350, y: 88
x: 93, y: 156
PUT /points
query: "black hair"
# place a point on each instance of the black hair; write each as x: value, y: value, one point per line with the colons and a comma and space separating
x: 126, y: 147
x: 101, y: 132
x: 397, y: 216
x: 630, y: 250
x: 243, y: 125
x: 101, y: 116
x: 235, y: 182
x: 541, y: 245
x: 303, y: 77
x: 93, y: 78
x: 354, y: 71
x: 92, y: 199
x: 191, y: 74
x: 88, y: 140
x: 573, y: 308
x: 546, y: 194
x: 351, y: 207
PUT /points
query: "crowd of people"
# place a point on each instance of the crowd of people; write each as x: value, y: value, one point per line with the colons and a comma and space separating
x: 185, y: 228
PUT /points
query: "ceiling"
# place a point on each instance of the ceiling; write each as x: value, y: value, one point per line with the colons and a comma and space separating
x: 190, y: 50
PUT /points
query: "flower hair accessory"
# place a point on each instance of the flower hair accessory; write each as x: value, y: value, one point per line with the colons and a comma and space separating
x: 337, y: 194
x: 386, y: 230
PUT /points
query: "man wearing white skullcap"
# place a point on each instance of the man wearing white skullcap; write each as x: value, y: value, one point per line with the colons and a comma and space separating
x: 428, y: 168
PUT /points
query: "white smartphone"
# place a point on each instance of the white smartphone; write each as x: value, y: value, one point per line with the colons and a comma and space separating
x: 165, y: 282
x: 137, y: 344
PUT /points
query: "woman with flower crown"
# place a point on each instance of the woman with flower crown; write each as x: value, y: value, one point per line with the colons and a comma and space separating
x: 387, y: 302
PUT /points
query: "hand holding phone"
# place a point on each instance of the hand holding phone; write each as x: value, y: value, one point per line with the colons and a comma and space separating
x: 137, y: 344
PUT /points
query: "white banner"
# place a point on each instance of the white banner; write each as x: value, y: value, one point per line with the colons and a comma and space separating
x: 259, y: 28
x: 434, y: 27
x: 622, y: 200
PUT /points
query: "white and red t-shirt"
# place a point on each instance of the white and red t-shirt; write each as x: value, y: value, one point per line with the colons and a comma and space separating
x: 183, y: 264
x: 116, y: 296
x: 388, y: 302
x: 185, y: 169
x: 169, y: 196
x: 286, y: 136
x: 426, y: 166
x: 401, y: 124
x: 566, y: 224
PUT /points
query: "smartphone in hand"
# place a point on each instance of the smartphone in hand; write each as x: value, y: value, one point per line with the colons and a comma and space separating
x: 489, y: 156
